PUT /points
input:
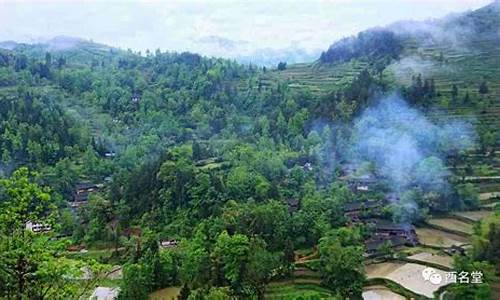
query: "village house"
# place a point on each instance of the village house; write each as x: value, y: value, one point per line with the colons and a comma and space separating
x: 454, y: 250
x: 293, y: 204
x: 355, y: 211
x: 82, y: 192
x: 109, y: 154
x: 307, y: 167
x: 169, y: 244
x: 358, y: 183
x: 387, y: 229
x: 363, y: 183
x: 38, y: 227
x: 136, y: 97
x: 395, y: 234
x: 374, y: 244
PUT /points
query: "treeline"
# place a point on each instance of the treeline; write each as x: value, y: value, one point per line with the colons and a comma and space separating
x: 36, y: 131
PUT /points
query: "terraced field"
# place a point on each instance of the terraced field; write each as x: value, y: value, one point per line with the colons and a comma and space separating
x: 408, y: 275
x: 316, y: 78
x: 379, y: 292
x: 288, y: 290
x: 438, y: 238
x: 438, y: 259
x: 452, y: 224
x: 466, y: 67
x: 474, y: 215
x: 171, y: 293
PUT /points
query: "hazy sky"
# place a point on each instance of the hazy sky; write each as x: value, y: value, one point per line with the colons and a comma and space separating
x: 213, y: 27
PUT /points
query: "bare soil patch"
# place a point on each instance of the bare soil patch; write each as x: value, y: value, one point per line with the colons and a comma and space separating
x: 169, y: 293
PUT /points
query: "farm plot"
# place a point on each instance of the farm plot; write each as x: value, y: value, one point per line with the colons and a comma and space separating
x: 170, y: 293
x: 292, y: 290
x: 475, y: 215
x: 442, y: 260
x: 382, y: 270
x: 488, y: 196
x: 452, y: 224
x: 439, y: 238
x: 408, y: 275
x: 380, y: 292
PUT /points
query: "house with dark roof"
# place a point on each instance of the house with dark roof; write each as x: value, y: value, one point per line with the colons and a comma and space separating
x: 363, y: 183
x: 354, y: 211
x: 293, y: 204
x: 374, y: 244
x: 455, y: 249
x: 396, y: 234
x: 387, y: 229
x: 82, y: 192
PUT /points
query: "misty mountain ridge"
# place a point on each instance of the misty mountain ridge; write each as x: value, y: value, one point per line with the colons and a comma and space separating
x: 209, y: 46
x: 460, y: 30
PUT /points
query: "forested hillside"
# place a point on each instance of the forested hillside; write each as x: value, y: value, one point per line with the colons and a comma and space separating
x: 228, y: 180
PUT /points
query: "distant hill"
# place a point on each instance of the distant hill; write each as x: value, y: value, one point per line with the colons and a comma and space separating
x: 459, y: 30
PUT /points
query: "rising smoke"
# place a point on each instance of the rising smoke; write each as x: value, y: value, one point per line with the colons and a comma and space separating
x: 406, y: 149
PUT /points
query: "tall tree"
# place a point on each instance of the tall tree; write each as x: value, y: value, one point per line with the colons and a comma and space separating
x: 31, y: 265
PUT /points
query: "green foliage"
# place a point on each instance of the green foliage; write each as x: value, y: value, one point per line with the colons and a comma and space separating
x: 31, y: 265
x: 154, y: 270
x: 371, y: 44
x: 341, y: 266
x: 235, y: 162
x: 472, y: 291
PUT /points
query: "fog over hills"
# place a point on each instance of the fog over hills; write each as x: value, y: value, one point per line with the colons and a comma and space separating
x: 149, y: 154
x: 261, y: 33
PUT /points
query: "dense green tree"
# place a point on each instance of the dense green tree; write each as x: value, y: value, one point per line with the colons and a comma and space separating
x: 31, y: 265
x: 341, y: 266
x: 472, y: 291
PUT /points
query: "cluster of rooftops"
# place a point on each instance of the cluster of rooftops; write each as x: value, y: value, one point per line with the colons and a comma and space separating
x: 79, y: 197
x: 369, y: 213
x: 365, y: 212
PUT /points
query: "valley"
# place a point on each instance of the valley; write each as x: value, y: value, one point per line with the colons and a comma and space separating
x: 165, y: 175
